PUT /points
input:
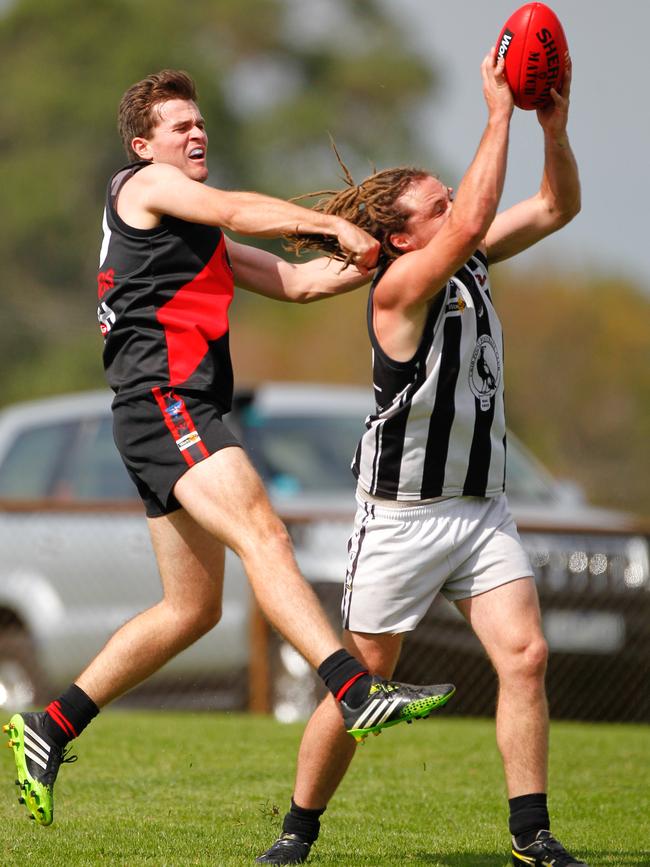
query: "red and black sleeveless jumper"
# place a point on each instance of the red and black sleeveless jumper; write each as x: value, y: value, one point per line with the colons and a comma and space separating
x: 164, y: 295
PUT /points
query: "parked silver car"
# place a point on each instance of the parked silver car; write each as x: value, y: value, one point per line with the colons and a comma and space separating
x: 77, y: 561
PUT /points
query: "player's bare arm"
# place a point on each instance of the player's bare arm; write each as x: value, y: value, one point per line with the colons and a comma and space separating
x: 266, y: 274
x: 415, y: 277
x: 558, y: 199
x: 162, y: 189
x: 434, y: 248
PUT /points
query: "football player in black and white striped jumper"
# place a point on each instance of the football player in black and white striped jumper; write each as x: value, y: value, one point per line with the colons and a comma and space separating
x: 432, y: 513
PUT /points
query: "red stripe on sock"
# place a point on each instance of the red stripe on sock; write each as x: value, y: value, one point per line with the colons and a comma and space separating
x: 54, y: 710
x: 346, y: 686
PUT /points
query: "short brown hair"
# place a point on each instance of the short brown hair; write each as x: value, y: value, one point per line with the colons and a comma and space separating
x: 136, y: 113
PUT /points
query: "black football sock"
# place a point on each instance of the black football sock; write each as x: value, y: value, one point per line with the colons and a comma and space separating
x: 68, y: 715
x: 344, y: 676
x: 528, y: 815
x: 304, y: 823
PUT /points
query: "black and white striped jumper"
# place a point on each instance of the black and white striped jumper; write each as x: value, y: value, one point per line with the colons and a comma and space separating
x: 439, y: 426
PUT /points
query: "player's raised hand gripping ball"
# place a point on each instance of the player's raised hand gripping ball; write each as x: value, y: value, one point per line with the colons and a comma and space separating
x: 534, y: 47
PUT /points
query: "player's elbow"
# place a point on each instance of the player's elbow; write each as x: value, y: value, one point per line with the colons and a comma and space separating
x: 305, y: 291
x: 560, y: 210
x: 301, y: 294
x: 296, y: 284
x: 573, y: 209
x: 469, y: 234
x: 565, y: 212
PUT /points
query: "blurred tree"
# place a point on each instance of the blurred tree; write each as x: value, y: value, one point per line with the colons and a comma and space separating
x: 578, y: 378
x: 274, y: 77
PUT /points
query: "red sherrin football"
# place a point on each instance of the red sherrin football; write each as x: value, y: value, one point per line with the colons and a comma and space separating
x: 533, y: 44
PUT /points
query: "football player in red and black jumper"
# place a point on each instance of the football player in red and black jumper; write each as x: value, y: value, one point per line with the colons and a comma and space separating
x: 166, y: 278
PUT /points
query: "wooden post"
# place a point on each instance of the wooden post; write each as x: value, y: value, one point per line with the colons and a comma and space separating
x: 259, y: 668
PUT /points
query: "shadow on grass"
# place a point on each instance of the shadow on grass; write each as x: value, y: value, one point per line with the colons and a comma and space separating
x: 463, y: 860
x: 594, y: 859
x: 502, y: 859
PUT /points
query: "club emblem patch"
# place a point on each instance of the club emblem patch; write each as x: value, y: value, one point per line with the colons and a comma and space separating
x: 485, y: 371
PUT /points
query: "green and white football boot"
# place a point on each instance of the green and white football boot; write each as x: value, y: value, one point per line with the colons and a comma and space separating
x: 390, y: 702
x: 38, y: 760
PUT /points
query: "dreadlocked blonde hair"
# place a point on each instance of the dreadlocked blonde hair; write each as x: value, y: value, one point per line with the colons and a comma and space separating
x: 369, y: 205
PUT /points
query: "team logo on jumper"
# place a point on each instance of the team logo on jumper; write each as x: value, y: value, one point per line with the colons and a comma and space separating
x: 188, y: 440
x: 106, y: 318
x: 485, y: 371
x: 105, y: 281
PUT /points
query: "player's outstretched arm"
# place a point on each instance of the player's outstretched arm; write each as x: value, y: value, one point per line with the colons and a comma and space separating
x: 558, y: 199
x: 266, y: 274
x: 418, y: 274
x: 162, y: 189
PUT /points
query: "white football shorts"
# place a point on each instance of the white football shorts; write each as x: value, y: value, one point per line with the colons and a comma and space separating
x: 400, y: 557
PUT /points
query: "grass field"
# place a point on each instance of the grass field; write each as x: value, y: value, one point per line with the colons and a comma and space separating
x: 156, y: 788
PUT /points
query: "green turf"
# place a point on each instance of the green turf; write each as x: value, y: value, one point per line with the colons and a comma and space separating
x: 210, y: 789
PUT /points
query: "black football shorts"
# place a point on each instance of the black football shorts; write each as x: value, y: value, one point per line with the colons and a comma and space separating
x: 160, y: 434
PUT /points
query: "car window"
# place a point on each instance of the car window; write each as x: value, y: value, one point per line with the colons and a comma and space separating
x: 312, y: 454
x: 302, y: 455
x: 94, y: 469
x: 526, y: 481
x: 30, y: 467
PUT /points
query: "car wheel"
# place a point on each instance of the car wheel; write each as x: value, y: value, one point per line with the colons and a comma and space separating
x: 20, y: 681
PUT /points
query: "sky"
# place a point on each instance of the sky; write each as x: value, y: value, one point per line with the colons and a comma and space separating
x: 609, y: 124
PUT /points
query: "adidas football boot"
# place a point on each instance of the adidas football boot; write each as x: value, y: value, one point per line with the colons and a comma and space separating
x: 544, y: 851
x: 390, y: 702
x: 38, y: 760
x: 287, y: 849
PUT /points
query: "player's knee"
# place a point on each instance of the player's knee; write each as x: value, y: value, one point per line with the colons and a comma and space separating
x: 271, y: 540
x: 537, y: 657
x: 533, y: 658
x: 279, y: 538
x: 525, y: 661
x: 194, y: 622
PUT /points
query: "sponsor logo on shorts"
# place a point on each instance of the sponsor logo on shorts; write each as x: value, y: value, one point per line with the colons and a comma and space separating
x: 175, y: 408
x: 188, y: 440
